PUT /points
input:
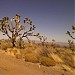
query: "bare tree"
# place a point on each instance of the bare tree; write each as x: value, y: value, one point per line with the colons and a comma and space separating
x: 15, y: 27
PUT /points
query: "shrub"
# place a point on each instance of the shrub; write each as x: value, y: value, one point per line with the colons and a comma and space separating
x: 30, y: 57
x: 44, y: 52
x: 16, y: 51
x: 46, y: 61
x: 13, y: 51
x: 70, y: 59
x: 4, y: 44
x: 18, y: 56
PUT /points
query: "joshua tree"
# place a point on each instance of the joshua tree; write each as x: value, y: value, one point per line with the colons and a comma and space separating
x: 53, y: 40
x: 53, y: 43
x: 42, y: 39
x: 16, y: 29
x: 71, y: 34
x: 71, y: 45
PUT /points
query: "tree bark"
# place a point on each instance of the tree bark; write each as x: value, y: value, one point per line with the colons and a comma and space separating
x: 13, y: 39
x: 13, y: 42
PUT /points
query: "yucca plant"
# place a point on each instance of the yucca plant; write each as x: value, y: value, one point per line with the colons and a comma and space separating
x: 71, y: 34
x: 16, y: 28
x: 42, y: 39
x: 71, y: 45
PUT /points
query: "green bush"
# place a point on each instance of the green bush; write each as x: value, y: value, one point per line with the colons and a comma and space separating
x: 30, y: 57
x: 46, y: 61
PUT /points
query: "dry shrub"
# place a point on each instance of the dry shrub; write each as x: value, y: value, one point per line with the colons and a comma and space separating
x: 44, y: 52
x: 46, y: 61
x: 69, y: 59
x: 19, y: 56
x: 56, y: 58
x: 41, y: 52
x: 16, y: 51
x: 29, y: 45
x: 10, y: 51
x: 5, y: 44
x: 13, y: 51
x: 31, y: 57
x: 28, y: 50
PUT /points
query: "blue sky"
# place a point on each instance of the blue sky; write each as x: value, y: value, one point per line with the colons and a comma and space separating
x: 51, y: 17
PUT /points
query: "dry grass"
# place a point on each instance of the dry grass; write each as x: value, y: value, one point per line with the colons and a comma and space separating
x: 13, y: 51
x: 38, y: 53
x: 4, y: 44
x: 47, y: 61
x: 31, y: 58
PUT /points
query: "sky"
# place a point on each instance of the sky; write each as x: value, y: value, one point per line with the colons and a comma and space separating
x: 51, y: 17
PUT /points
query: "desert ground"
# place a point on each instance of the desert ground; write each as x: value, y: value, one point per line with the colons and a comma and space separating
x: 9, y: 65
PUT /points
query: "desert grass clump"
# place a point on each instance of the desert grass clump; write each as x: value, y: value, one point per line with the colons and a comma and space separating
x: 44, y: 52
x: 19, y: 56
x: 10, y: 51
x: 16, y: 51
x: 31, y: 57
x: 47, y: 61
x: 27, y: 50
x: 69, y: 60
x: 13, y: 51
x: 4, y: 44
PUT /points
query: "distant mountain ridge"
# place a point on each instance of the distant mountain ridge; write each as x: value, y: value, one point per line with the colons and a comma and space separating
x: 59, y: 43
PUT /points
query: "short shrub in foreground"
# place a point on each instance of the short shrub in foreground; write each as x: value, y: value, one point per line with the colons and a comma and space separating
x: 31, y: 58
x: 46, y: 61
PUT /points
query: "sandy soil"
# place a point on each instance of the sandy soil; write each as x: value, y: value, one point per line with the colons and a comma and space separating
x: 11, y: 66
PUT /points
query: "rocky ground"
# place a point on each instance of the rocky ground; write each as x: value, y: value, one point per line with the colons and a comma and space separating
x: 9, y: 65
